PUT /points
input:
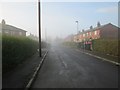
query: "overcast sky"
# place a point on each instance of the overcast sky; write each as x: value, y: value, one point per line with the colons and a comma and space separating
x: 58, y: 18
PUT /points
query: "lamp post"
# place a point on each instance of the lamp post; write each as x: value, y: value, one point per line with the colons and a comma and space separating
x: 39, y: 27
x: 77, y: 29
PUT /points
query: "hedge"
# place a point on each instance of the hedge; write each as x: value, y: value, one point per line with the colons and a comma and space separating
x: 70, y: 44
x: 106, y: 46
x: 15, y: 50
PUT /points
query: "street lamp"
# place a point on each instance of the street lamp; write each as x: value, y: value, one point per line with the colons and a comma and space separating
x: 39, y: 27
x: 77, y: 26
x: 77, y: 29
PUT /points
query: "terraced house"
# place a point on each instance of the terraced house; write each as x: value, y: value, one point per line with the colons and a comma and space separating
x: 107, y: 31
x: 11, y: 30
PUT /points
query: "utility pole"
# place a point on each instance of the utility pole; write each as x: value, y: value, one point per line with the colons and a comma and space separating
x: 39, y: 27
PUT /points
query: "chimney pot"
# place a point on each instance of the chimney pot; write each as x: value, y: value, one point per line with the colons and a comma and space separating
x: 98, y: 24
x: 91, y: 27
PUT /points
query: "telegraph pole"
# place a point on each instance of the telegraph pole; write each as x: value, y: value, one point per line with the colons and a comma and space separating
x: 39, y: 27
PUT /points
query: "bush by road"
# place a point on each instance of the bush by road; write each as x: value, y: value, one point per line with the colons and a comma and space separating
x: 107, y: 46
x: 15, y: 50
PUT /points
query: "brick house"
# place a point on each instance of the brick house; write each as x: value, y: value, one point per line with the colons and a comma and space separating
x: 11, y: 30
x: 107, y: 31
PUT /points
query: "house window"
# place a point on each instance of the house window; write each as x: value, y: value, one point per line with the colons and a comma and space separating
x: 83, y: 35
x: 95, y: 32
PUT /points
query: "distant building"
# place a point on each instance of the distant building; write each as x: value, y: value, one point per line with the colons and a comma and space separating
x: 11, y: 30
x: 58, y: 39
x: 69, y: 38
x: 107, y: 31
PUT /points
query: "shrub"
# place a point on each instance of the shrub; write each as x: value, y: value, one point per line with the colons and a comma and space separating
x: 107, y: 46
x: 70, y: 44
x: 15, y: 50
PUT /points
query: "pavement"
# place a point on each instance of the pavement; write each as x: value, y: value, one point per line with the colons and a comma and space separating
x: 102, y: 55
x: 19, y: 77
x: 69, y: 68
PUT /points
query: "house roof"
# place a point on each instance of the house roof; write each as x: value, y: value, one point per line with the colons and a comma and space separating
x: 100, y: 28
x: 10, y: 27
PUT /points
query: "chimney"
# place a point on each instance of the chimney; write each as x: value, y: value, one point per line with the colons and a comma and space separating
x: 3, y: 22
x: 98, y: 24
x: 91, y: 27
x: 79, y: 31
x: 83, y: 30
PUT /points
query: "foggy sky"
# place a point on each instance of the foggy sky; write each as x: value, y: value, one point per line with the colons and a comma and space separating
x: 58, y: 18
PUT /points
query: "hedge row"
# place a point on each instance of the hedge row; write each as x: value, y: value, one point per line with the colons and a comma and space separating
x: 70, y: 44
x: 107, y: 46
x: 15, y: 50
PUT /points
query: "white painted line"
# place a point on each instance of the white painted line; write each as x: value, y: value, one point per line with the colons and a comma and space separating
x: 64, y: 64
x: 36, y: 71
x: 104, y: 59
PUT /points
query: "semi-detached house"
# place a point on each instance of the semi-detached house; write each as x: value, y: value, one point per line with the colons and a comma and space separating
x: 107, y: 31
x: 11, y: 30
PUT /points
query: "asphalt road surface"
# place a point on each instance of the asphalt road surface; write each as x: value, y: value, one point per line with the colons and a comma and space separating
x: 69, y: 68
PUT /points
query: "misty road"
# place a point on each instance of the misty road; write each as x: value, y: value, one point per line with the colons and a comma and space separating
x: 69, y: 68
